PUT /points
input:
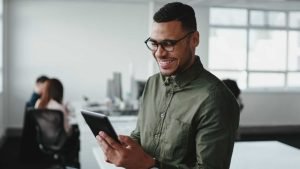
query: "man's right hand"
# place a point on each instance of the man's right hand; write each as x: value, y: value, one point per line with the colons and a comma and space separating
x: 128, y: 154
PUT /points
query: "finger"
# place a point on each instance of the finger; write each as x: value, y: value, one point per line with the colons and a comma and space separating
x: 104, y: 145
x: 107, y: 151
x: 99, y: 141
x: 98, y: 138
x: 109, y: 140
x: 127, y: 140
x: 107, y: 160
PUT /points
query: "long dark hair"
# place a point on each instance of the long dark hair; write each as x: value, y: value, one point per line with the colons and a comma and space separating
x: 53, y: 90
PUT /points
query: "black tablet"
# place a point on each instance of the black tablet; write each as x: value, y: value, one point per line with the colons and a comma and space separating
x: 99, y: 122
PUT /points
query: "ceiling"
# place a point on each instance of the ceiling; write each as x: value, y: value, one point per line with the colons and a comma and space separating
x: 261, y: 4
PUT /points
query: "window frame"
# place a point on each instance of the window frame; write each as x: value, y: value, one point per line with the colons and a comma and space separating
x: 266, y: 27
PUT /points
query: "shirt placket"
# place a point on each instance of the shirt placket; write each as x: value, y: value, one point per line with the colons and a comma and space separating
x: 163, y: 111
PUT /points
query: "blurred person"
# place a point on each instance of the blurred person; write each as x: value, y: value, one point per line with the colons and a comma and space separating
x: 37, y: 92
x: 52, y: 98
x: 234, y: 88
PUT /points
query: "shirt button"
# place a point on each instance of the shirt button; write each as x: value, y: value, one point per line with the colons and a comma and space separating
x: 162, y: 115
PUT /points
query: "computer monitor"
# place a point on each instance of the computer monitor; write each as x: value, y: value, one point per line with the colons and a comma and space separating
x: 114, y: 86
x: 140, y: 85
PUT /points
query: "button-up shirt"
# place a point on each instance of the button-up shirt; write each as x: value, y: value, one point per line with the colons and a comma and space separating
x: 188, y: 120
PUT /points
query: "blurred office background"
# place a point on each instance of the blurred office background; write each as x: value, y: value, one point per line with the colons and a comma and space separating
x: 83, y: 42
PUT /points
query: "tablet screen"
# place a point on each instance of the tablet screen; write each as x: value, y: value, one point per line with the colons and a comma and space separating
x: 99, y: 122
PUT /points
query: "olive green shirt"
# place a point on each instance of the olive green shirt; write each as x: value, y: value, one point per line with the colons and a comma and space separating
x: 188, y: 121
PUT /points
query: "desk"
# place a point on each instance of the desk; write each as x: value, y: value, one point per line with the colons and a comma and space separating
x: 90, y: 153
x: 246, y: 155
x: 264, y: 155
x: 123, y: 125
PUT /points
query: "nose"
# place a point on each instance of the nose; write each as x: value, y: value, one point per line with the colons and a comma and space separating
x: 160, y: 51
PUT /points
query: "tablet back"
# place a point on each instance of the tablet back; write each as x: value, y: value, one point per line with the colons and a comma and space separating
x: 99, y: 122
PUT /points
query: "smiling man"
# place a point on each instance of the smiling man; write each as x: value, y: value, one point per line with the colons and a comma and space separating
x: 188, y: 118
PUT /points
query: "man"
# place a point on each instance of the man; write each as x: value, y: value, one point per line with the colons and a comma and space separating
x: 188, y: 118
x: 38, y: 88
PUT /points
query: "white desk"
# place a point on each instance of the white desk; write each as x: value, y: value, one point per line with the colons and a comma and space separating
x: 88, y: 143
x: 246, y: 155
x: 264, y: 155
x: 123, y: 125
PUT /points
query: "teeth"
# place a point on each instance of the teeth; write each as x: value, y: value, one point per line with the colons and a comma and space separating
x: 164, y: 62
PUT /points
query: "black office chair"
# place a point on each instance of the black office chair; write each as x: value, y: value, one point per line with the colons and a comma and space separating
x: 50, y: 133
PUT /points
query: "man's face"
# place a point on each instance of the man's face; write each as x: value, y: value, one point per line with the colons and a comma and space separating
x: 183, y: 55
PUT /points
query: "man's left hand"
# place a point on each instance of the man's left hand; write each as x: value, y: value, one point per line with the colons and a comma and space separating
x: 128, y: 154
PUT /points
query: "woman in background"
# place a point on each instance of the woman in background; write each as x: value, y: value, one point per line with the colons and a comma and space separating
x: 38, y: 89
x: 52, y: 99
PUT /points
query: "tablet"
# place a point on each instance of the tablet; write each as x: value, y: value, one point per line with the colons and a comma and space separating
x: 99, y: 122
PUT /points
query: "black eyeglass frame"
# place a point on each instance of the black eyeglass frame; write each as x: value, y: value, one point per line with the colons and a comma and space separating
x: 167, y: 42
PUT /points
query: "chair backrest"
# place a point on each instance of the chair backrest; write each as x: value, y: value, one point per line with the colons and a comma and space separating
x: 51, y: 134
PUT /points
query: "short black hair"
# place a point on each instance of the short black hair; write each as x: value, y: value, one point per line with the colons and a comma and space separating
x: 179, y: 12
x: 42, y: 79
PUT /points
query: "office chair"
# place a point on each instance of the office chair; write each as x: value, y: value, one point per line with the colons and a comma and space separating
x: 50, y: 133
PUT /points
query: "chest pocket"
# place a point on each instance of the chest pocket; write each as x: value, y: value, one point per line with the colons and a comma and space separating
x: 175, y: 139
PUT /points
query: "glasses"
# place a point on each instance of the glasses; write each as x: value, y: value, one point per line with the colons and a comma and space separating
x: 167, y: 45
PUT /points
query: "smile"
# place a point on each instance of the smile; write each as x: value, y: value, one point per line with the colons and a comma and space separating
x: 165, y: 63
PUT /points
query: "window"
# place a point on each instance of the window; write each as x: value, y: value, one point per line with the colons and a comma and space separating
x: 231, y: 46
x: 266, y: 50
x: 1, y: 46
x: 258, y: 48
x: 294, y: 50
x: 294, y: 19
x: 237, y: 17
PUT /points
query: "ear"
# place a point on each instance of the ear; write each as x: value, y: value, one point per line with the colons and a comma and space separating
x: 195, y: 39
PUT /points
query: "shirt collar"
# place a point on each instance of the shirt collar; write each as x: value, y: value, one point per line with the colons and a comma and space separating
x: 183, y: 78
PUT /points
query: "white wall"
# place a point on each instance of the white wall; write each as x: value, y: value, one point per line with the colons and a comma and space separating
x: 2, y: 93
x: 80, y: 42
x: 202, y: 17
x: 83, y: 42
x: 271, y: 108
